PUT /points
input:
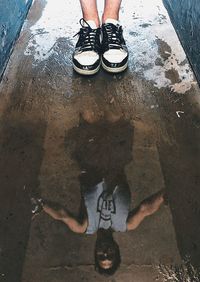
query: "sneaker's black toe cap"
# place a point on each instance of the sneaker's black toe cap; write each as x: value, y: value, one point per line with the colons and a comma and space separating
x: 87, y: 67
x: 114, y: 67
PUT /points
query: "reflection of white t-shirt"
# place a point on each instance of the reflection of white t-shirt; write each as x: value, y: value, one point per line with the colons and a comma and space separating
x: 107, y: 210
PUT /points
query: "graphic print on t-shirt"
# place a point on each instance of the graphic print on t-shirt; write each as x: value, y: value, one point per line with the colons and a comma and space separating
x: 106, y: 206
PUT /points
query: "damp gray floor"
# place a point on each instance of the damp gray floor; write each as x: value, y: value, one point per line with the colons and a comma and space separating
x: 49, y: 114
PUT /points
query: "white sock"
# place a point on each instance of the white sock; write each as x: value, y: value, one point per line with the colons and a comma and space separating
x: 113, y: 21
x: 91, y: 23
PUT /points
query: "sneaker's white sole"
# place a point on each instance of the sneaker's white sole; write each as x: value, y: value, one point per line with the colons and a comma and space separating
x: 114, y: 70
x: 86, y: 72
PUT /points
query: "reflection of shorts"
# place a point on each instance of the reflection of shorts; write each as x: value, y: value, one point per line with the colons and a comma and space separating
x: 122, y: 198
x: 107, y: 210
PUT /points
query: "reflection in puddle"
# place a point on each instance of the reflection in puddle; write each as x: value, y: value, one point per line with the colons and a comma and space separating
x: 102, y: 150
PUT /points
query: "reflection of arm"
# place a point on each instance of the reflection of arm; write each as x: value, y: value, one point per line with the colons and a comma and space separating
x: 146, y: 208
x: 67, y: 218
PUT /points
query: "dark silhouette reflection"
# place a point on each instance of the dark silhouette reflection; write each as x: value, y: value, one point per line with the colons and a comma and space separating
x: 102, y: 150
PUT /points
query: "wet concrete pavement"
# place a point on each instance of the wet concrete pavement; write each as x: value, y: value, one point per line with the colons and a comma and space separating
x: 55, y: 125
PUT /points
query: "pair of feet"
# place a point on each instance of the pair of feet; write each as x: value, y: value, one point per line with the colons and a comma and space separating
x: 100, y: 46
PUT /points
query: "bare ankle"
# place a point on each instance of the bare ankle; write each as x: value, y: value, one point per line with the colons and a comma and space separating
x: 109, y: 16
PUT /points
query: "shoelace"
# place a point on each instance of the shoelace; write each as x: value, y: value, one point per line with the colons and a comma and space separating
x: 87, y: 36
x: 113, y: 36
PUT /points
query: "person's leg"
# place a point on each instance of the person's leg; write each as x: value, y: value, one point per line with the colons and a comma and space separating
x: 115, y: 53
x: 111, y: 10
x: 89, y: 10
x: 86, y: 57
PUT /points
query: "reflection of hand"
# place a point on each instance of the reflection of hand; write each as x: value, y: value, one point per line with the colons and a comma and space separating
x: 152, y: 204
x: 147, y: 207
x: 55, y: 214
x: 51, y: 212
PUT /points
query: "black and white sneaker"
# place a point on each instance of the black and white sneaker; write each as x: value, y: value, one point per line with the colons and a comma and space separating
x: 114, y: 50
x: 86, y: 57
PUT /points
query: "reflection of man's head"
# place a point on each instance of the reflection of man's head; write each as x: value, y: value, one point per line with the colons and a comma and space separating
x: 107, y: 254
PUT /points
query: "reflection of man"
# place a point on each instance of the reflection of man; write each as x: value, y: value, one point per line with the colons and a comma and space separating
x: 105, y: 212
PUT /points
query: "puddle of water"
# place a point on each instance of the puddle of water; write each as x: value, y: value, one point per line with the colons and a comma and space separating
x: 103, y: 150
